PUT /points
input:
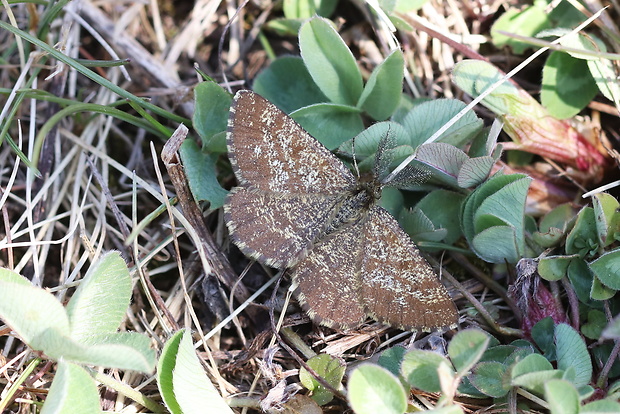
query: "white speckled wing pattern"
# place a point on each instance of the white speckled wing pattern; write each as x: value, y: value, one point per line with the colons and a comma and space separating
x: 274, y: 228
x: 371, y: 268
x: 271, y: 152
x: 298, y: 206
x: 327, y: 281
x: 398, y: 285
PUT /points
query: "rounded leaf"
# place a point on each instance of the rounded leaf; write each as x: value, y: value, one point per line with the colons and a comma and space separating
x: 562, y: 397
x: 328, y: 367
x: 607, y: 269
x: 420, y: 367
x: 466, y: 348
x: 384, y: 87
x: 572, y: 352
x: 73, y: 391
x: 373, y: 389
x: 99, y: 304
x: 212, y: 103
x: 330, y: 62
x: 567, y: 85
x: 287, y: 83
x: 331, y: 124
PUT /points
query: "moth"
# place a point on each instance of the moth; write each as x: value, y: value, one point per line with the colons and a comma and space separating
x: 297, y: 206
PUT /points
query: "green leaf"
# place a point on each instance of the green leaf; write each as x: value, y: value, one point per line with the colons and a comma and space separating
x: 529, y: 364
x: 123, y: 350
x: 607, y: 269
x: 493, y: 218
x: 192, y: 391
x: 535, y: 381
x: 381, y: 94
x: 475, y: 76
x: 595, y: 324
x: 604, y: 74
x: 558, y: 218
x: 581, y: 278
x: 288, y: 84
x: 392, y: 358
x: 583, y: 238
x: 330, y: 62
x: 390, y: 135
x: 442, y: 209
x: 165, y: 368
x: 392, y: 200
x: 506, y: 354
x: 506, y: 204
x: 553, y: 225
x: 426, y: 118
x: 284, y: 27
x: 554, y: 268
x: 475, y: 199
x: 373, y: 389
x: 497, y: 244
x: 211, y: 104
x: 533, y: 372
x: 328, y: 367
x: 599, y: 291
x: 331, y: 124
x: 601, y: 406
x: 405, y: 6
x: 466, y: 348
x: 30, y: 311
x: 567, y: 85
x: 419, y: 226
x: 73, y: 391
x: 304, y: 9
x: 528, y: 22
x: 562, y: 397
x: 99, y: 304
x: 572, y: 352
x: 445, y: 158
x: 474, y: 171
x: 420, y: 367
x: 542, y: 334
x: 551, y: 238
x: 202, y: 175
x: 192, y: 388
x: 10, y: 276
x: 488, y: 378
x: 605, y: 207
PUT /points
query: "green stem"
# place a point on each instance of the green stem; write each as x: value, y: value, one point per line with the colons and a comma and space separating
x: 127, y: 391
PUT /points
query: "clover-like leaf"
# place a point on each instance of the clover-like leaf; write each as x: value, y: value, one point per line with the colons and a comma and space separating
x: 489, y: 378
x: 99, y: 303
x: 73, y: 391
x: 202, y: 174
x: 567, y: 85
x: 607, y: 268
x: 321, y: 120
x: 373, y: 389
x: 572, y: 352
x: 212, y: 103
x: 330, y: 62
x: 328, y: 367
x: 384, y: 87
x: 466, y: 348
x: 419, y: 368
x: 183, y: 382
x: 287, y: 83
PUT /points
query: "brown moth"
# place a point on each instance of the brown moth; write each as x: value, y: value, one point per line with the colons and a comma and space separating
x: 297, y: 206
